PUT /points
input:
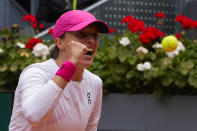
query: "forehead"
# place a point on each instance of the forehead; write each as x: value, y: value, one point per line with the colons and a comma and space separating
x: 92, y: 27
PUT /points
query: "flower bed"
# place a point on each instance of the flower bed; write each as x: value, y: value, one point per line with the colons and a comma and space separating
x: 17, y: 52
x: 134, y: 62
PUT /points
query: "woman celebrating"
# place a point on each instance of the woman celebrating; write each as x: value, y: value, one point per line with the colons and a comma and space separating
x: 61, y: 94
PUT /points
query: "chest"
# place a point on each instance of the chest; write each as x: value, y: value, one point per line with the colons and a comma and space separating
x: 74, y: 107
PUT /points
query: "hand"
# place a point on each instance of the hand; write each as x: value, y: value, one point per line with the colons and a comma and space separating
x: 75, y: 51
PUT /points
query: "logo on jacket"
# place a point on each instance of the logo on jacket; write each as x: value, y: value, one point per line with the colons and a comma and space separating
x: 89, y: 99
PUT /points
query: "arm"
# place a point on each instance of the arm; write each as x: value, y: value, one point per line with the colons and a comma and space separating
x: 95, y: 115
x: 40, y: 95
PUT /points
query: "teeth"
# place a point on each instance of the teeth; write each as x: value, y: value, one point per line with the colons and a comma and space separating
x: 89, y: 52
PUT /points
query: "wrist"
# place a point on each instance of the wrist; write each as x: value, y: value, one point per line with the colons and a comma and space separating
x: 73, y: 61
x: 67, y: 70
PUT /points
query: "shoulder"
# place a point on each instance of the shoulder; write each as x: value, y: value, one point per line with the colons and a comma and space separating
x: 45, y: 66
x: 40, y: 70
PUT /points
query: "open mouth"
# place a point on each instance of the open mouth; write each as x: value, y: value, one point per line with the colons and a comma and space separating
x: 89, y: 52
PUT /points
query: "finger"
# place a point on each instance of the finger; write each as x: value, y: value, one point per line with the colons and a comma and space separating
x: 89, y: 49
x: 84, y: 48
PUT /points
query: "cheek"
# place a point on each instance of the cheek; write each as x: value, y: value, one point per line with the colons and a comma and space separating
x: 97, y: 45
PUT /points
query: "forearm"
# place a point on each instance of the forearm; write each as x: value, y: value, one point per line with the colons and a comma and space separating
x: 61, y: 82
x: 46, y: 97
x: 40, y: 103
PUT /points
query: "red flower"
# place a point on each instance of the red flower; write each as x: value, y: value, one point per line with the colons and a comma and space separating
x: 51, y: 31
x: 154, y: 31
x: 186, y: 22
x: 41, y: 26
x: 25, y: 17
x: 112, y: 30
x: 30, y: 18
x: 33, y: 19
x: 32, y: 42
x: 34, y: 25
x: 194, y: 24
x: 136, y: 26
x: 178, y: 35
x: 179, y: 18
x: 145, y: 38
x: 160, y: 15
x: 127, y: 19
x: 115, y: 31
x: 150, y: 34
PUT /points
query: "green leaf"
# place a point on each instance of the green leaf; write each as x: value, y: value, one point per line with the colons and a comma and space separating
x: 186, y: 67
x: 130, y: 74
x: 193, y: 78
x: 132, y: 60
x: 181, y: 81
x: 165, y: 62
x: 3, y: 68
x: 153, y: 56
x: 167, y: 80
x: 13, y: 68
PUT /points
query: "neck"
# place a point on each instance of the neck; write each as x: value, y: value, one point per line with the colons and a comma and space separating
x: 78, y: 76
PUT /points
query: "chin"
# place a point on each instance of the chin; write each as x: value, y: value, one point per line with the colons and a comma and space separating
x: 86, y: 63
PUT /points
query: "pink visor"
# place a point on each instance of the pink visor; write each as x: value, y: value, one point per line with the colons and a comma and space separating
x: 76, y: 20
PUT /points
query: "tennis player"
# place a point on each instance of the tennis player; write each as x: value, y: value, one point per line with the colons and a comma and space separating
x: 61, y: 94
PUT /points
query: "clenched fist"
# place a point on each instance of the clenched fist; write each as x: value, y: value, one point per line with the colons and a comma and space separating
x: 75, y: 51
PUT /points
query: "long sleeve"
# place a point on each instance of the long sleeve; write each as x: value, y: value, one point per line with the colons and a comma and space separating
x: 38, y: 94
x: 95, y: 115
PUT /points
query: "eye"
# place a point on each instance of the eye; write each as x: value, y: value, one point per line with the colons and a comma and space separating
x: 95, y: 36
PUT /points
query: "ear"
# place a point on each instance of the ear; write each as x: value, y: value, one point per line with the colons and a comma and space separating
x: 59, y: 43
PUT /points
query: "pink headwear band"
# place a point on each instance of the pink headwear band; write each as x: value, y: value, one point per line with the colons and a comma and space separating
x: 76, y: 20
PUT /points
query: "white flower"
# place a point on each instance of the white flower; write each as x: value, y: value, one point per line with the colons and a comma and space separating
x: 142, y: 49
x: 176, y: 52
x: 147, y: 65
x: 20, y: 45
x: 124, y: 41
x: 40, y: 50
x: 144, y: 67
x: 51, y: 47
x: 140, y: 67
x: 180, y: 46
x: 157, y: 45
x: 171, y: 55
x: 1, y: 50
